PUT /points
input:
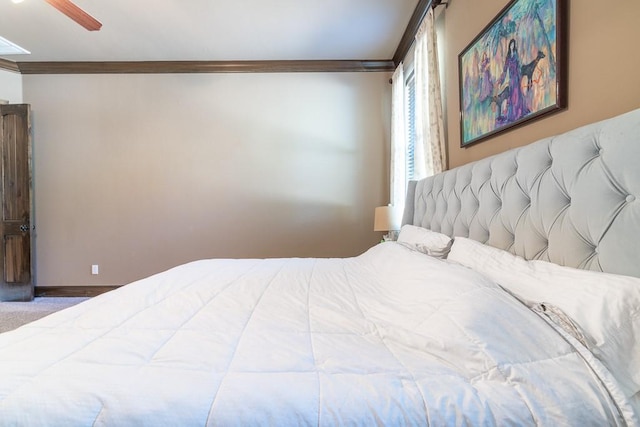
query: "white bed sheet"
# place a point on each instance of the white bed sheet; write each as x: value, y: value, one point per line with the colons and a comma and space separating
x: 392, y: 337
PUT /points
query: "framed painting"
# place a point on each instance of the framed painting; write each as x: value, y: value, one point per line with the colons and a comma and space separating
x: 514, y: 70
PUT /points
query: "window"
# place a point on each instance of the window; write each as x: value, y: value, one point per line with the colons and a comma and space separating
x: 404, y: 156
x: 418, y: 147
x: 410, y: 128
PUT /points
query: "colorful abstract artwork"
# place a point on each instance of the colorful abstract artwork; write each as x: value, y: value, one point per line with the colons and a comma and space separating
x: 512, y: 72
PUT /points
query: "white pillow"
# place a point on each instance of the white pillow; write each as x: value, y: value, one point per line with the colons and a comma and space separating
x: 426, y: 241
x: 606, y: 307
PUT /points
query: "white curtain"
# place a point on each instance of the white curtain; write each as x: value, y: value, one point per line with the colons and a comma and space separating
x: 398, y: 139
x: 430, y: 143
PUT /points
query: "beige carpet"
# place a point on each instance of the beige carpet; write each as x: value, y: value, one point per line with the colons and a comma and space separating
x: 15, y: 314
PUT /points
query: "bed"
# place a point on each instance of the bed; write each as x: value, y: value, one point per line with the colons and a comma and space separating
x: 511, y: 297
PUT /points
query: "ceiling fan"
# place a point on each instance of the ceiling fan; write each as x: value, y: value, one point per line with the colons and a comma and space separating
x: 74, y: 12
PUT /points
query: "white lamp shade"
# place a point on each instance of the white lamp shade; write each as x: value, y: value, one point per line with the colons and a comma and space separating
x: 387, y: 218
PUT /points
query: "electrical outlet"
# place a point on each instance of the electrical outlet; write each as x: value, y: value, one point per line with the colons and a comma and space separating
x: 95, y: 269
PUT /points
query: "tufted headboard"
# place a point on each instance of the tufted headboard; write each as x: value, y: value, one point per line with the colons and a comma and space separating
x: 572, y: 199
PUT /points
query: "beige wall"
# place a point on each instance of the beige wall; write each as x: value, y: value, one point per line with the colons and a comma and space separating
x: 10, y: 87
x: 138, y: 173
x: 603, y: 69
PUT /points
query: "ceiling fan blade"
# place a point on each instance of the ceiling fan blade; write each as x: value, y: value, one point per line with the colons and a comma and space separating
x: 75, y: 13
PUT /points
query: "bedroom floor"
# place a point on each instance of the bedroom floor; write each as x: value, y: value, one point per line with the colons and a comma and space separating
x: 15, y: 314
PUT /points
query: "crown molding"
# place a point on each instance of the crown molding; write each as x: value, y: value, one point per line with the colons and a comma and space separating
x: 5, y: 64
x: 164, y: 67
x: 412, y: 28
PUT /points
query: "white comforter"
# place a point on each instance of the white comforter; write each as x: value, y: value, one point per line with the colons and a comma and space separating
x: 392, y: 337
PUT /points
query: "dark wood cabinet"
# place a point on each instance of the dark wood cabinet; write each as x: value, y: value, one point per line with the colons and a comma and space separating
x: 16, y: 247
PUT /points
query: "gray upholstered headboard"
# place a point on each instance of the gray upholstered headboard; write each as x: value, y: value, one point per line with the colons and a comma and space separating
x: 572, y: 199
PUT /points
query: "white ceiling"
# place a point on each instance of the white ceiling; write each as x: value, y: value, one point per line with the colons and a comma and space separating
x: 209, y: 30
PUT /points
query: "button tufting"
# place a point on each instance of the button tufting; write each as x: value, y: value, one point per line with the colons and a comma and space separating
x: 600, y: 151
x: 630, y: 198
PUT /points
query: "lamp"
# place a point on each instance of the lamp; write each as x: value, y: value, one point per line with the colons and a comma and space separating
x: 387, y: 218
